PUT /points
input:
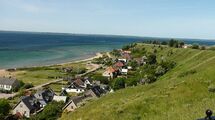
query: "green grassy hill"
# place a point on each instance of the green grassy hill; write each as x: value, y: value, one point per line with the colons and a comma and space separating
x: 181, y: 94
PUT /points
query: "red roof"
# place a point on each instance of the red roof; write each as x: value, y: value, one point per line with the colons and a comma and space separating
x: 119, y: 64
x: 111, y: 70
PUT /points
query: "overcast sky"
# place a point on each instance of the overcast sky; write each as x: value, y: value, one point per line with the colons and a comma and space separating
x: 155, y: 18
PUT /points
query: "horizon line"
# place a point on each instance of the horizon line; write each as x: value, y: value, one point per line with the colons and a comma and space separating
x: 120, y: 35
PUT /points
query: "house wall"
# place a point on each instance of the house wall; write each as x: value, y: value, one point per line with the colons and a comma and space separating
x: 74, y: 90
x: 90, y: 92
x: 71, y: 107
x: 22, y: 109
x: 6, y: 87
x: 107, y: 74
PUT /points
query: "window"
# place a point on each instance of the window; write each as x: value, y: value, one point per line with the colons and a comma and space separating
x: 21, y: 105
x: 1, y: 86
x: 7, y: 86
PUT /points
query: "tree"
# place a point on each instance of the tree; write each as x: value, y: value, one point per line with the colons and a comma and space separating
x: 4, y: 108
x: 152, y: 59
x: 133, y: 64
x: 171, y: 42
x: 164, y: 43
x: 203, y: 48
x: 195, y: 46
x: 118, y: 83
x: 181, y: 44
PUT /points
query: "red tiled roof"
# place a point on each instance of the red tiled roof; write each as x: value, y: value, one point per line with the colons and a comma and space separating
x: 111, y: 69
x: 119, y: 64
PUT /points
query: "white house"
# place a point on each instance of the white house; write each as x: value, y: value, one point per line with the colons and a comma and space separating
x: 73, y: 88
x: 8, y: 84
x: 60, y: 98
x: 123, y: 60
x: 124, y: 71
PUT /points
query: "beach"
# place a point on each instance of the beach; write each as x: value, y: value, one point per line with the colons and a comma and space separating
x: 5, y: 73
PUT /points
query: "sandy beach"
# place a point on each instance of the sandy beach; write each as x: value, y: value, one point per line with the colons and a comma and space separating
x: 5, y: 73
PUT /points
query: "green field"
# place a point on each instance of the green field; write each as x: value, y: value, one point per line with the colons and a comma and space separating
x: 181, y: 94
x: 44, y: 74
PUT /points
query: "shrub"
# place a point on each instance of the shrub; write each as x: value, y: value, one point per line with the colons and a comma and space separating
x: 211, y: 88
x: 4, y: 108
x: 131, y: 81
x: 118, y: 83
x: 195, y: 46
x: 100, y: 78
x: 28, y: 85
x: 52, y: 111
x: 152, y: 59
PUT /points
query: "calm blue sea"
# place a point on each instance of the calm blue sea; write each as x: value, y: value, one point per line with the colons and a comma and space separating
x: 21, y: 49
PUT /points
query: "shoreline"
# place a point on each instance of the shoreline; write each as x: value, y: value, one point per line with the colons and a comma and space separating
x: 4, y: 72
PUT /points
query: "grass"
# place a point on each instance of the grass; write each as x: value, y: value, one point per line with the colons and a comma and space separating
x: 57, y: 87
x: 41, y: 75
x: 170, y: 98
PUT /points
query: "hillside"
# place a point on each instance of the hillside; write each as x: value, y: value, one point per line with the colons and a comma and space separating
x: 181, y: 94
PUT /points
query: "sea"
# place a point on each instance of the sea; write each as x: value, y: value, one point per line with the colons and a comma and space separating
x: 26, y: 49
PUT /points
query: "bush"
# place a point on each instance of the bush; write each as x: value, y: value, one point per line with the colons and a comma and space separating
x: 152, y: 59
x: 102, y: 79
x: 195, y: 46
x: 4, y: 108
x: 131, y: 81
x: 52, y: 111
x: 118, y: 83
x: 28, y: 85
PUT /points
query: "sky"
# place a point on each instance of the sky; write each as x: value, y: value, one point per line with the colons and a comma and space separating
x: 153, y: 18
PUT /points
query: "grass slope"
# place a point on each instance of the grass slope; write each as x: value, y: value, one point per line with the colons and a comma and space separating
x: 172, y: 97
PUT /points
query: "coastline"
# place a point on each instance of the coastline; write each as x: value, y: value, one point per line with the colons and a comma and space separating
x: 4, y: 72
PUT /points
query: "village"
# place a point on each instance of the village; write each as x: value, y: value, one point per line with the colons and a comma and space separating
x: 84, y: 88
x: 112, y: 71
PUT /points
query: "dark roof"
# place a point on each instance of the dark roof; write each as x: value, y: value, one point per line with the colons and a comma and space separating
x: 75, y: 100
x: 31, y: 102
x: 7, y: 81
x: 45, y: 95
x: 78, y: 82
x: 97, y: 91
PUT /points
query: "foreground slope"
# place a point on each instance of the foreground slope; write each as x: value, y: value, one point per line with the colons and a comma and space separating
x: 180, y: 94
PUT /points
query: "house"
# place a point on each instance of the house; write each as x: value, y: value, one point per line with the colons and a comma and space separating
x: 87, y: 81
x: 60, y: 98
x: 110, y: 72
x: 119, y: 64
x: 124, y: 71
x: 73, y: 88
x: 122, y: 60
x: 74, y: 103
x: 27, y: 106
x: 94, y: 92
x: 8, y: 84
x: 126, y: 56
x: 44, y: 96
